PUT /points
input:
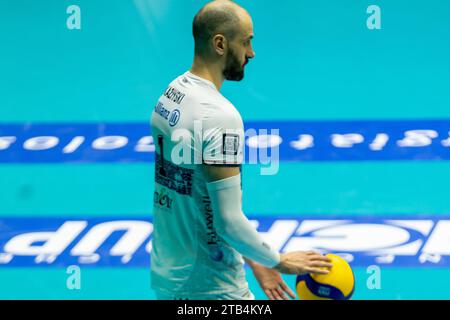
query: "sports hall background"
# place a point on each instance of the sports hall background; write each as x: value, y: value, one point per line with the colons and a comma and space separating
x: 318, y: 69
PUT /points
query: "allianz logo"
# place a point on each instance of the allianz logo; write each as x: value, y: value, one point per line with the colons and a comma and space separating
x: 383, y: 241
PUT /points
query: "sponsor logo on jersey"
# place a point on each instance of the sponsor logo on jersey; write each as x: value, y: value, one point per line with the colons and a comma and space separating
x: 174, y: 117
x: 212, y: 239
x: 163, y: 112
x: 162, y: 199
x: 173, y: 177
x: 171, y: 116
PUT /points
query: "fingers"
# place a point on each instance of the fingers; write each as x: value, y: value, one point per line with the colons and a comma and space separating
x: 312, y: 255
x: 309, y: 262
x: 277, y: 295
x: 269, y: 294
x: 287, y: 290
x: 281, y: 294
x: 319, y: 257
x: 312, y: 252
x: 320, y: 264
x: 316, y: 270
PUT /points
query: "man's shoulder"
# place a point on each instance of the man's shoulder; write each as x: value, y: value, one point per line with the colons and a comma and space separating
x: 211, y: 103
x: 208, y: 96
x: 223, y: 115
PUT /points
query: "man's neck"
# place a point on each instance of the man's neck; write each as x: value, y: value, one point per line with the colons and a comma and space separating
x: 209, y: 72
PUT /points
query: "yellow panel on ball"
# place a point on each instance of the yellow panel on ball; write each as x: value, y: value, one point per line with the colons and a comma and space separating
x: 339, y: 284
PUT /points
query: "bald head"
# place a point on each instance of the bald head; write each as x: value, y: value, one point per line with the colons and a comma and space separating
x: 217, y: 17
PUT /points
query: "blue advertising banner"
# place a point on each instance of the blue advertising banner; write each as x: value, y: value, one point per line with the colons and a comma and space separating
x: 268, y: 140
x: 115, y: 242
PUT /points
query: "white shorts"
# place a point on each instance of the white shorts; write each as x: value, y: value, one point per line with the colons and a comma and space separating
x: 238, y: 295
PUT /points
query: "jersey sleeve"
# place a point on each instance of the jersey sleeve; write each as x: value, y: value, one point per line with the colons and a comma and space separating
x: 223, y: 139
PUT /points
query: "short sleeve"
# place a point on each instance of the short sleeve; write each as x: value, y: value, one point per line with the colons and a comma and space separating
x: 223, y: 139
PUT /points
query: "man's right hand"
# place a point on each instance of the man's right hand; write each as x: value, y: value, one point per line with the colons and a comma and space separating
x: 299, y: 262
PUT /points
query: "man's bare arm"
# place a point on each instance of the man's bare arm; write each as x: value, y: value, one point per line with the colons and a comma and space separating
x: 214, y: 173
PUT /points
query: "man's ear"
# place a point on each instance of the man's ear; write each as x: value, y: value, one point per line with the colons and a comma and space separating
x: 220, y: 44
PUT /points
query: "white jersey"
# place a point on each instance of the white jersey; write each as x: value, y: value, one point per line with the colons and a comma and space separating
x: 192, y: 124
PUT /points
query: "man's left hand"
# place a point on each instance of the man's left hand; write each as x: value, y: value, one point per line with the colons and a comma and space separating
x: 272, y: 283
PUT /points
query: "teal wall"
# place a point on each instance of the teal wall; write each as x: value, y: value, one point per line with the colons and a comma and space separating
x: 315, y: 60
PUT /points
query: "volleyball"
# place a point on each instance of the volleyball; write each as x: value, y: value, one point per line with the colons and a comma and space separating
x: 339, y: 284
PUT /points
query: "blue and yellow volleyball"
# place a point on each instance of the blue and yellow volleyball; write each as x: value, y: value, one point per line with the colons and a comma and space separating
x: 339, y: 284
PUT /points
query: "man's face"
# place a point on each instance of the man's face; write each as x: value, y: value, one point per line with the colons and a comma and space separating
x: 239, y: 52
x: 234, y: 67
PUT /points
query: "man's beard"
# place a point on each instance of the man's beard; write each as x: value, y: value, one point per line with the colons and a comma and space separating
x: 233, y: 71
